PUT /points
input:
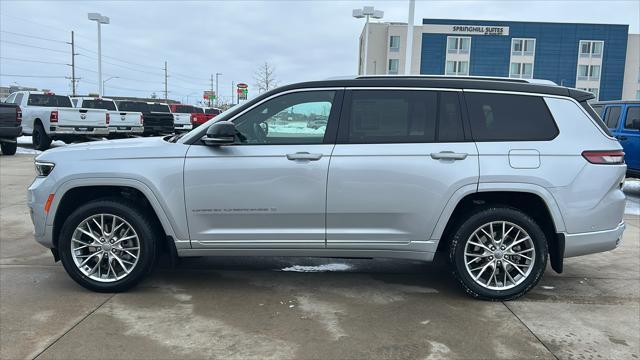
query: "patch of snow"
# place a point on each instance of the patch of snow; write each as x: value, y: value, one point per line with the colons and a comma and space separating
x: 324, y: 312
x: 318, y: 268
x: 426, y: 322
x: 439, y: 351
x: 632, y: 185
x: 548, y: 287
x: 22, y: 150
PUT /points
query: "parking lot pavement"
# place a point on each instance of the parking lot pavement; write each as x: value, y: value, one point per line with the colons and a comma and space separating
x: 234, y: 307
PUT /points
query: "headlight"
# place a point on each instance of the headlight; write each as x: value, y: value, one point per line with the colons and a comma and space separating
x: 44, y: 168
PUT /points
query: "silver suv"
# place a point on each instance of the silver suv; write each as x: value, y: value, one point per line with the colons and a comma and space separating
x: 500, y: 175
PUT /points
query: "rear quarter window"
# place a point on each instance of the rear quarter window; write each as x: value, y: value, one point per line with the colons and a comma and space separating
x: 506, y: 117
x: 632, y: 120
x: 612, y: 116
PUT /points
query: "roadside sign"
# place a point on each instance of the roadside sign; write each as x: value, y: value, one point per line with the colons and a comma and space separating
x: 209, y: 95
x: 242, y: 86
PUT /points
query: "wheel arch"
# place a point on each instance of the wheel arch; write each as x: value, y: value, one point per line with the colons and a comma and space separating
x: 535, y: 202
x: 75, y: 192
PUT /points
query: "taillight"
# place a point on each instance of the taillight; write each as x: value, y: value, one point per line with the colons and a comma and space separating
x: 108, y: 118
x: 605, y: 157
x: 54, y: 117
x: 141, y: 119
x: 18, y: 115
x: 193, y: 118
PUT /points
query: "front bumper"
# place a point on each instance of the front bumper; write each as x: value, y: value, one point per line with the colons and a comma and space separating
x: 592, y: 242
x: 37, y: 194
x: 79, y: 130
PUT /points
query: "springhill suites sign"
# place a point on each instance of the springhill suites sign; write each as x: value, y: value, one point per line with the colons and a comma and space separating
x: 466, y: 29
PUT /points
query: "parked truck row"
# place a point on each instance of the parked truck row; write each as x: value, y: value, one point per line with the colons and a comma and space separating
x: 46, y: 117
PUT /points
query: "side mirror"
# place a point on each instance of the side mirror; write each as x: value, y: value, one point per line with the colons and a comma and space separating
x: 220, y: 133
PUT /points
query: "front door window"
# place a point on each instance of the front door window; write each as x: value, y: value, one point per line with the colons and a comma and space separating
x: 295, y: 118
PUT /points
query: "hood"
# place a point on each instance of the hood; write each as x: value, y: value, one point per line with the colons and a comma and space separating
x: 135, y: 148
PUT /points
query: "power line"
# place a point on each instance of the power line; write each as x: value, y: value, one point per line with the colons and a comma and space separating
x: 33, y: 46
x: 34, y: 61
x: 33, y: 37
x: 35, y: 76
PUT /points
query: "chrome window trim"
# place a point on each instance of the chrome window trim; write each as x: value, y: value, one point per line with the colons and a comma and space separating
x: 400, y: 88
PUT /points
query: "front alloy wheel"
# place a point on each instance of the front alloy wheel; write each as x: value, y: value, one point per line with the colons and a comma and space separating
x: 108, y: 245
x: 105, y: 247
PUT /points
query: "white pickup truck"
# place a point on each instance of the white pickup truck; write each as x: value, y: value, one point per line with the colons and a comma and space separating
x: 121, y: 123
x: 47, y: 117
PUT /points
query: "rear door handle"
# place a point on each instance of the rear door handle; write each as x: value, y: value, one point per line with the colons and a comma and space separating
x: 304, y: 156
x: 449, y: 155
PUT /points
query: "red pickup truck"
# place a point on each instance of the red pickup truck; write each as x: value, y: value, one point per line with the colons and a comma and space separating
x: 198, y: 116
x: 211, y: 112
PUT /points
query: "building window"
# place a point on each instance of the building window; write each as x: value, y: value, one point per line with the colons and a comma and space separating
x: 588, y: 72
x: 394, y: 43
x: 393, y: 66
x: 521, y: 70
x: 458, y: 44
x: 638, y: 95
x: 457, y: 68
x: 591, y: 48
x: 523, y: 47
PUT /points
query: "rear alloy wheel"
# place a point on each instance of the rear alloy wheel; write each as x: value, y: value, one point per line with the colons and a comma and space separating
x: 498, y: 253
x: 107, y: 245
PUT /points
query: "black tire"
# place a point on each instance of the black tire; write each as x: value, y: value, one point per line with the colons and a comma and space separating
x: 8, y: 148
x: 473, y: 222
x: 126, y: 210
x: 41, y: 141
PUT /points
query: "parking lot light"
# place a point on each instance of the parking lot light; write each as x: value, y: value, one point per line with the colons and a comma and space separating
x: 367, y: 12
x: 99, y: 19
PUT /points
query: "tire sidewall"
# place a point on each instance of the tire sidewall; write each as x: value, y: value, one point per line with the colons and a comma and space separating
x: 134, y: 217
x: 456, y: 254
x: 9, y: 148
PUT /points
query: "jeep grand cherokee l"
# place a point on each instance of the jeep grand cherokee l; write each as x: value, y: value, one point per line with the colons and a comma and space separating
x: 498, y: 174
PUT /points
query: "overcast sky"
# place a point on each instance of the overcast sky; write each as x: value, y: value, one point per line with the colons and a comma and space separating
x: 304, y: 40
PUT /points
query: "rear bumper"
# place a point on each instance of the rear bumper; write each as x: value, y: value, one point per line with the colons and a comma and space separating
x: 183, y: 127
x: 592, y: 242
x: 79, y: 130
x: 126, y: 129
x: 158, y: 129
x: 10, y: 132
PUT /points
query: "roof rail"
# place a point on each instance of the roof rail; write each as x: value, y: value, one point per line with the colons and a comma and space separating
x: 493, y: 78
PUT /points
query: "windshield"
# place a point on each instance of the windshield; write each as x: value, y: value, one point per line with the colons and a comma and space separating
x: 99, y: 104
x: 133, y: 106
x: 159, y: 108
x: 185, y: 109
x: 49, y: 100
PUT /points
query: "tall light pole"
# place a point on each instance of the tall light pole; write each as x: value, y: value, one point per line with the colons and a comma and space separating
x: 409, y: 52
x: 217, y: 94
x: 112, y: 77
x: 99, y: 19
x: 367, y: 12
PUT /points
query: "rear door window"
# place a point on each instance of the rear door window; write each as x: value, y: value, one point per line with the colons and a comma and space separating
x: 612, y: 116
x: 403, y: 116
x: 632, y: 119
x: 506, y: 117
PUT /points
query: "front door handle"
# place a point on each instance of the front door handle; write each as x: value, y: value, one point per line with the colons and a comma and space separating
x: 304, y: 156
x: 448, y: 155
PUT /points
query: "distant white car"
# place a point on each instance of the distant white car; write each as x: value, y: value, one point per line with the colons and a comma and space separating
x: 121, y: 122
x: 47, y: 117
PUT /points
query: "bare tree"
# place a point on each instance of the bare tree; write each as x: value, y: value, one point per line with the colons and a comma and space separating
x: 265, y: 78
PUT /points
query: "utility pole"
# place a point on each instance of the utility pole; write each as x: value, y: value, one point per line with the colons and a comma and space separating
x: 73, y: 66
x: 217, y: 74
x: 211, y: 90
x: 166, y: 95
x: 233, y: 88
